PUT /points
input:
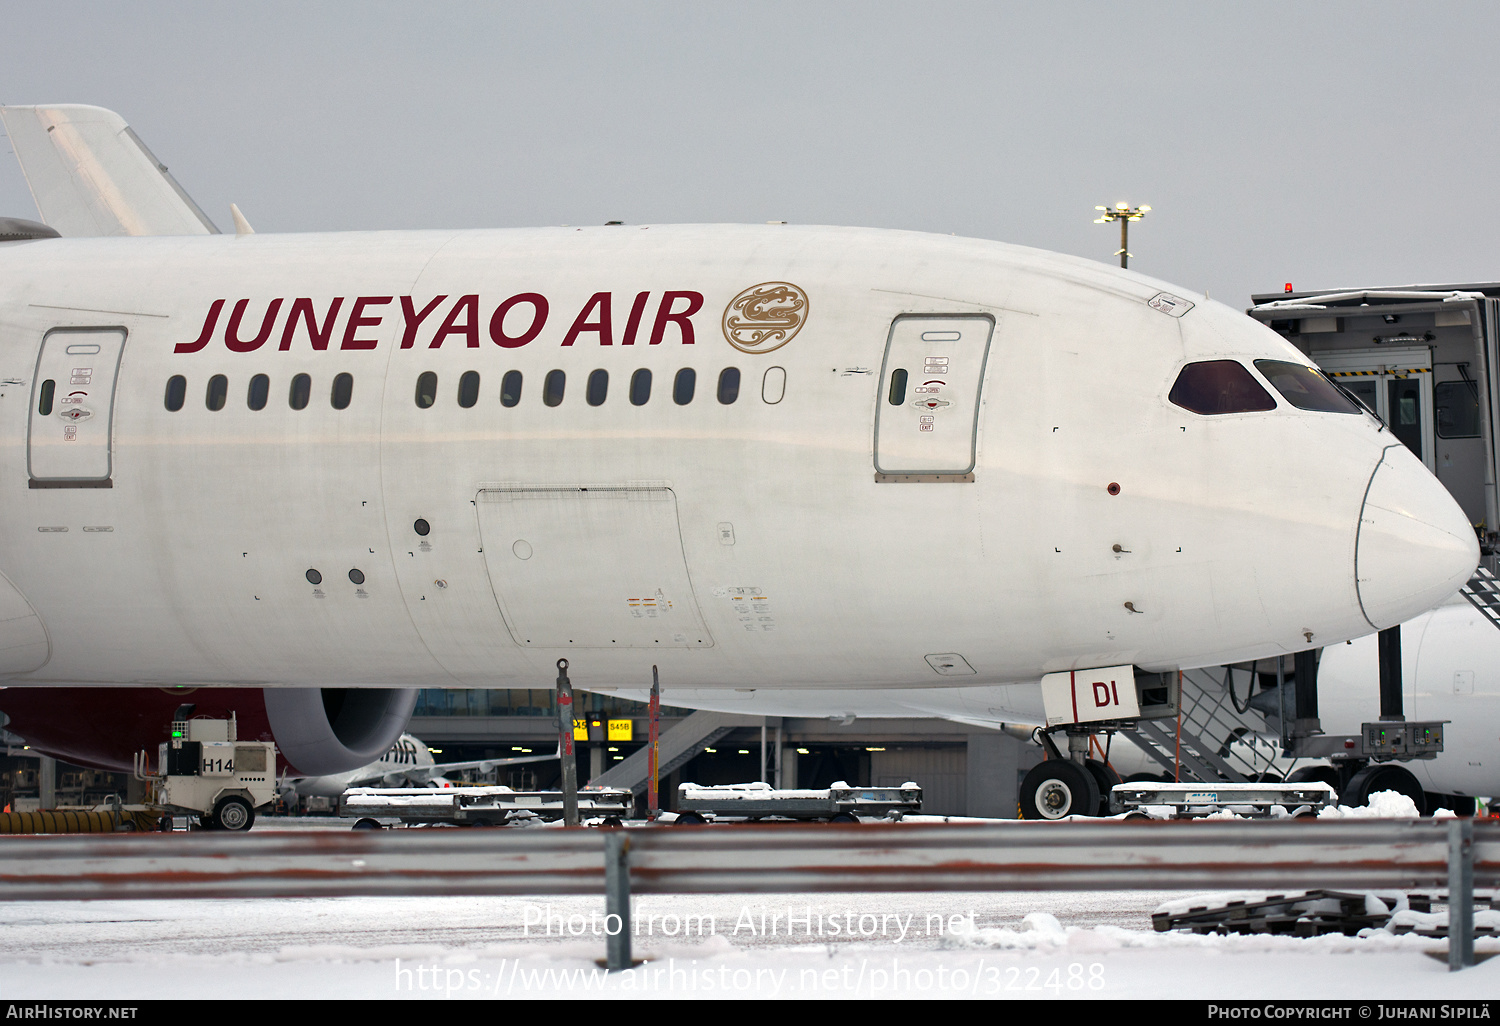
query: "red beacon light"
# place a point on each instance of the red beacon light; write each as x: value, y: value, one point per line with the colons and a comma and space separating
x: 1288, y: 287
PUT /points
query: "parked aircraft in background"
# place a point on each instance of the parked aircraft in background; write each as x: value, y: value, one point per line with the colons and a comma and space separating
x: 408, y: 763
x: 338, y: 467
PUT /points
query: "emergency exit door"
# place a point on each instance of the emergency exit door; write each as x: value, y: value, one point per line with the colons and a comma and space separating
x: 72, y: 408
x: 927, y: 413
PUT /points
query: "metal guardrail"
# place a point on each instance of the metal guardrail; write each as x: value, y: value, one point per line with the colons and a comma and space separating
x: 1111, y: 855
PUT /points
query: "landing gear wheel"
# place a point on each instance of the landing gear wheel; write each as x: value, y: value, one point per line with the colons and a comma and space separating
x: 1105, y: 779
x: 1057, y: 788
x: 1382, y: 776
x: 233, y: 813
x: 690, y: 819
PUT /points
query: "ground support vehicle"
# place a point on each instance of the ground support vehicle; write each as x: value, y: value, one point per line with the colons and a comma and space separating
x: 839, y: 803
x: 475, y: 806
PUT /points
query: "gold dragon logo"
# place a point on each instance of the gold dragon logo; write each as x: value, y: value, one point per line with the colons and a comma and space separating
x: 765, y: 316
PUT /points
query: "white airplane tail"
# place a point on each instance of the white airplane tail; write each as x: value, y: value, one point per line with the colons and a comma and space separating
x: 91, y: 175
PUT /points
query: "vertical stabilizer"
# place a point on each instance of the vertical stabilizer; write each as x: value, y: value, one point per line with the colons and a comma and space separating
x: 91, y: 175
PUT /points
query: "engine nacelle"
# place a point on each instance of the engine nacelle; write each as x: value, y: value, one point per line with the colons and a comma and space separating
x: 322, y: 731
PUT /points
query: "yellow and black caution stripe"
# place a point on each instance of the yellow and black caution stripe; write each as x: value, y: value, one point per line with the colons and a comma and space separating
x: 1390, y: 372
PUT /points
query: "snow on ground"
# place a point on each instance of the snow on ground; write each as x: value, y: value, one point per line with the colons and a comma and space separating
x: 1005, y: 945
x: 1041, y: 945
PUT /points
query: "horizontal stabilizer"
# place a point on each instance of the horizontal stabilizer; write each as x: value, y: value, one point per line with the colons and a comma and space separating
x: 91, y: 175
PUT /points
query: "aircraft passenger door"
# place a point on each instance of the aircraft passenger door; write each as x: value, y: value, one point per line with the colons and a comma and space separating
x: 927, y: 412
x: 72, y: 408
x: 1396, y: 383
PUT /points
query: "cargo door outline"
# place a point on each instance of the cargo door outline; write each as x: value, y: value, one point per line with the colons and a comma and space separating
x: 70, y: 429
x: 590, y: 567
x: 944, y: 366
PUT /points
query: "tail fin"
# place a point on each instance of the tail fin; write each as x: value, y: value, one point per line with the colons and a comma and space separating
x: 91, y: 175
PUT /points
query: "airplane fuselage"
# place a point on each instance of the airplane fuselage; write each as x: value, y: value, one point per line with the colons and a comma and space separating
x: 781, y: 518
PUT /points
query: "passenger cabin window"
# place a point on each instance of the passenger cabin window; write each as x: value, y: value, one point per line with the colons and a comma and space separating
x: 552, y: 387
x: 468, y: 389
x: 898, y: 386
x: 426, y: 389
x: 640, y: 387
x: 218, y: 392
x: 176, y: 393
x: 598, y: 387
x: 1457, y: 404
x: 1216, y: 387
x: 259, y: 393
x: 683, y: 386
x: 301, y: 391
x: 343, y: 391
x: 729, y: 385
x: 44, y: 401
x: 1305, y: 387
x: 510, y: 388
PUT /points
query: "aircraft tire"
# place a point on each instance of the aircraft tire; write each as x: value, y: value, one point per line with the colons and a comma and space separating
x: 233, y: 813
x: 1105, y: 779
x: 1057, y: 788
x: 1382, y: 776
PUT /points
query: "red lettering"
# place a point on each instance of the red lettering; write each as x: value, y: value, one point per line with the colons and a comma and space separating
x: 468, y: 305
x: 1101, y: 688
x: 357, y: 320
x: 664, y: 314
x: 581, y: 323
x: 413, y: 319
x: 318, y: 336
x: 207, y: 333
x: 232, y: 329
x: 636, y: 309
x: 538, y: 318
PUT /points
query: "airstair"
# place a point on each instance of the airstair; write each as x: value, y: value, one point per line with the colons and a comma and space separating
x: 1212, y: 741
x: 1483, y: 590
x: 679, y: 744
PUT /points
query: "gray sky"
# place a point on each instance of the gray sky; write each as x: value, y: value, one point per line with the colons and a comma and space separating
x: 1321, y: 144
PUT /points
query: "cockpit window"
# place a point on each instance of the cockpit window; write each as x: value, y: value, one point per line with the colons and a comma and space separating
x: 1219, y: 386
x: 1305, y: 387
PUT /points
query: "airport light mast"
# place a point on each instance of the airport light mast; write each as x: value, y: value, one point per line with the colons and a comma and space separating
x: 1124, y: 213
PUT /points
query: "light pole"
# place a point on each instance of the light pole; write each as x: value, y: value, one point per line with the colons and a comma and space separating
x: 1124, y: 213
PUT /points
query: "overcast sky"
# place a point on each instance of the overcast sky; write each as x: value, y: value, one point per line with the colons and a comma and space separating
x: 1322, y: 144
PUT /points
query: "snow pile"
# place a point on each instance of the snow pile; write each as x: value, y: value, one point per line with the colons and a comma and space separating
x: 1382, y: 805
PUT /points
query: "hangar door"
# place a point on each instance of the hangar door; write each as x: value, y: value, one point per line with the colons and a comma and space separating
x: 72, y: 408
x: 927, y: 413
x: 590, y: 567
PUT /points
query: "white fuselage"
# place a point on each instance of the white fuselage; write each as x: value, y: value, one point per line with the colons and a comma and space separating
x: 736, y: 545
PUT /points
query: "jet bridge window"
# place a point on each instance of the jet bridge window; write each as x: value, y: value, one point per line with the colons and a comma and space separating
x: 510, y: 388
x: 1219, y: 386
x: 1305, y: 387
x: 176, y: 394
x: 218, y: 392
x: 1457, y: 405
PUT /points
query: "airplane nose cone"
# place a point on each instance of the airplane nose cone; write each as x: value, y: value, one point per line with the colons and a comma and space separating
x: 1415, y: 545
